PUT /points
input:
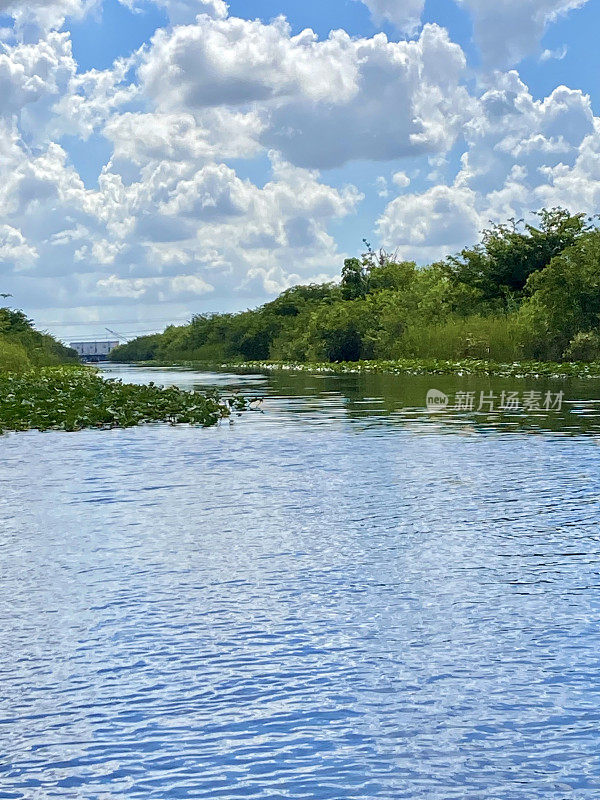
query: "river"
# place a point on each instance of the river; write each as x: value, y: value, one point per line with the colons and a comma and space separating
x: 335, y: 595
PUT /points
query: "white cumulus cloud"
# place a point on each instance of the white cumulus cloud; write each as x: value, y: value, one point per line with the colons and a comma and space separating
x: 34, y: 16
x: 321, y: 102
x: 404, y: 14
x: 508, y: 30
x: 522, y: 154
x: 15, y: 249
x: 505, y: 30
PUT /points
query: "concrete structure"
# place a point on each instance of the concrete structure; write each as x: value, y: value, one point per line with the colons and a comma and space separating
x: 94, y: 351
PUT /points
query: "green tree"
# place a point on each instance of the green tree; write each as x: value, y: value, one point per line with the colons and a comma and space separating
x: 565, y: 298
x: 501, y: 264
x: 20, y: 341
x: 144, y: 348
x: 355, y: 279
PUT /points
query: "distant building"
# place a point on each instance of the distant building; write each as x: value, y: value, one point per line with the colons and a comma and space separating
x: 94, y: 351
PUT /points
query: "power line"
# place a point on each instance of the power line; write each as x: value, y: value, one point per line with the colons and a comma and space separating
x: 114, y: 322
x: 101, y: 337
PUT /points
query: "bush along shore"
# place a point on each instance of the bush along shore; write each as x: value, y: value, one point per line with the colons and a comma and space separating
x: 524, y: 293
x: 73, y: 398
x: 23, y: 348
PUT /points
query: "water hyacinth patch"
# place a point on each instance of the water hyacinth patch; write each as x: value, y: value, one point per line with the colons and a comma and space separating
x: 415, y: 366
x: 70, y: 399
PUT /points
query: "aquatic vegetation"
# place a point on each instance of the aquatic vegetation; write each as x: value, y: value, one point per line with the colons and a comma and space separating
x: 415, y: 366
x: 73, y: 398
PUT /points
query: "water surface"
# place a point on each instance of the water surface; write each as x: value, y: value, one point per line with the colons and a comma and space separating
x: 341, y: 596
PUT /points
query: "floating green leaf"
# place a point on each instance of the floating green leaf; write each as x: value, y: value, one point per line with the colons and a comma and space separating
x: 72, y: 398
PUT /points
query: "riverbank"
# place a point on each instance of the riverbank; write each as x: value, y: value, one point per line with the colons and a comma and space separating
x: 520, y: 369
x: 73, y: 398
x: 23, y: 348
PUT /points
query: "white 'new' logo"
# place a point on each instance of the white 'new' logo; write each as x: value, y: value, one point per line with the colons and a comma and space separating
x: 437, y: 401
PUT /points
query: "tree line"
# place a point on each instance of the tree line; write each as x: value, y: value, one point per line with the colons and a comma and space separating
x: 22, y: 347
x: 525, y: 291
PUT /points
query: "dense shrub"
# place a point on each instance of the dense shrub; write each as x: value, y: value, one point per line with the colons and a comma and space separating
x: 13, y: 357
x: 497, y: 338
x: 584, y: 347
x: 564, y: 299
x: 144, y: 348
x: 21, y: 346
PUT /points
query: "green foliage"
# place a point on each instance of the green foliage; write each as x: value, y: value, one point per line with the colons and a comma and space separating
x: 355, y: 279
x: 217, y: 337
x: 564, y: 298
x: 375, y: 272
x: 13, y: 356
x: 21, y: 346
x: 500, y: 266
x: 341, y: 332
x: 144, y: 348
x: 523, y: 292
x: 584, y: 347
x: 498, y: 338
x: 392, y: 276
x: 72, y: 398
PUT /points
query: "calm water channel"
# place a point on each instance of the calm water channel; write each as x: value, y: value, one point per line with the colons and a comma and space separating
x: 336, y: 596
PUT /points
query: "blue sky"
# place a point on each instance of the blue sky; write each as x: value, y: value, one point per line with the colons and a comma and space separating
x: 180, y: 156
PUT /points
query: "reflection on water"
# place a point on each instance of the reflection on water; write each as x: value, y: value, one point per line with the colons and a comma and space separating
x: 340, y: 597
x: 379, y: 399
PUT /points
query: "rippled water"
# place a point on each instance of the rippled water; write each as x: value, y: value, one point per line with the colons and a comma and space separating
x: 339, y: 597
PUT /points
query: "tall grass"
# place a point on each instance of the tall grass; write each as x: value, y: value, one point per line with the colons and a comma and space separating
x: 498, y: 338
x: 13, y: 357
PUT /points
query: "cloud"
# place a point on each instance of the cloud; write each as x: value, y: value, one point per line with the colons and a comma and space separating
x: 212, y: 134
x: 401, y: 179
x: 522, y: 154
x: 557, y: 55
x: 181, y: 12
x: 169, y: 221
x: 320, y: 103
x: 506, y: 31
x: 432, y: 224
x: 381, y: 185
x: 45, y: 95
x: 39, y: 16
x: 233, y: 61
x: 405, y: 15
x: 32, y: 78
x: 184, y: 226
x: 92, y: 98
x: 15, y: 249
x: 35, y: 16
x: 153, y: 289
